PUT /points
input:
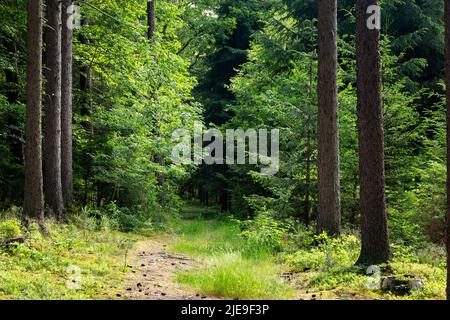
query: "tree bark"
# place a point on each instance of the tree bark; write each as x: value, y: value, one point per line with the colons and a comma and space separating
x: 309, y: 151
x: 329, y: 206
x: 34, y: 197
x: 85, y: 110
x: 151, y: 20
x: 374, y: 233
x: 52, y: 150
x: 66, y: 105
x: 447, y: 77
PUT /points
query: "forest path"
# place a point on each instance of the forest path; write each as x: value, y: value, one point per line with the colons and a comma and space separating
x: 154, y: 270
x: 201, y: 257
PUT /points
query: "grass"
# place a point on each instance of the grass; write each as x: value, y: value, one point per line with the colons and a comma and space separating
x: 230, y: 275
x: 207, y: 237
x: 230, y: 269
x: 72, y: 263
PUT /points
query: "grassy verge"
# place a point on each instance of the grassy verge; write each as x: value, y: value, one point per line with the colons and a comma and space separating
x: 74, y: 262
x: 328, y: 270
x: 234, y: 268
x: 231, y: 269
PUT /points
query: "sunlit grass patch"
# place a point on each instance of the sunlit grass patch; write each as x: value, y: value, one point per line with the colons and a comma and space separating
x: 201, y: 237
x: 72, y: 263
x: 232, y: 276
x: 231, y: 269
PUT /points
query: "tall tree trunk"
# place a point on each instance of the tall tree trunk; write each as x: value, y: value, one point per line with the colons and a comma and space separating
x: 34, y: 197
x: 447, y: 68
x: 374, y: 233
x: 329, y: 214
x: 52, y: 147
x: 308, y: 205
x: 85, y: 110
x: 66, y: 105
x: 151, y: 4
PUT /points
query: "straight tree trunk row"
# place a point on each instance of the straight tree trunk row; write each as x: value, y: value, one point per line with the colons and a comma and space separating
x: 52, y: 181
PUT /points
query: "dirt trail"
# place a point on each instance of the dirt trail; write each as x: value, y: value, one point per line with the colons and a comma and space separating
x: 154, y: 273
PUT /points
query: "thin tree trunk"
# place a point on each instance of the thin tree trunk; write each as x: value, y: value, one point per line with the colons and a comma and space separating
x: 374, y: 233
x: 66, y: 105
x: 151, y: 5
x: 85, y: 110
x: 447, y: 68
x: 308, y: 206
x: 34, y: 197
x: 52, y: 147
x: 354, y: 209
x: 329, y: 206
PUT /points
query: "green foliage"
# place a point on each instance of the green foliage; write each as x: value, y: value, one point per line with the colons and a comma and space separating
x: 264, y: 233
x: 328, y: 255
x: 434, y: 280
x: 282, y: 95
x: 10, y: 229
x: 139, y: 93
x: 41, y: 267
x: 113, y: 218
x: 145, y: 95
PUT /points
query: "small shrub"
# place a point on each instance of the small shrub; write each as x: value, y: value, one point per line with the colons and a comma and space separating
x: 264, y: 234
x: 128, y: 220
x: 328, y: 255
x: 10, y: 229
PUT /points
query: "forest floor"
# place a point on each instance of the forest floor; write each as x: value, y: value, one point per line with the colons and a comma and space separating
x: 199, y: 256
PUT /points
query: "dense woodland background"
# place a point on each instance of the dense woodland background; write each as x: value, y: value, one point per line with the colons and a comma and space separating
x: 142, y: 70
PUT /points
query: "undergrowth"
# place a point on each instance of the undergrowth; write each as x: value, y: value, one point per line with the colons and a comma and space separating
x: 85, y: 259
x: 248, y: 259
